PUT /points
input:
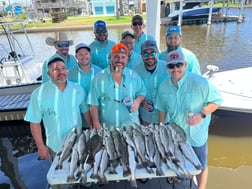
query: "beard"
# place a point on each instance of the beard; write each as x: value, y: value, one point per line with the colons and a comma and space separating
x: 116, y: 69
x: 102, y: 38
x: 151, y: 64
x: 172, y: 47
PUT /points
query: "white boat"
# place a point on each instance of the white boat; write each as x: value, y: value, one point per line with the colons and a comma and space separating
x: 18, y: 75
x: 235, y: 88
x: 17, y: 59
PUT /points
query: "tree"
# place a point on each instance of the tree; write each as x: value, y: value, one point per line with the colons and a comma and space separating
x: 121, y: 7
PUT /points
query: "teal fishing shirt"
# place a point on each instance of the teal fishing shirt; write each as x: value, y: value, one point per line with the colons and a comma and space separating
x: 134, y: 59
x: 70, y: 63
x: 151, y: 82
x: 59, y: 110
x: 77, y: 75
x: 100, y: 53
x: 193, y: 94
x: 108, y: 97
x: 139, y: 42
x: 192, y: 61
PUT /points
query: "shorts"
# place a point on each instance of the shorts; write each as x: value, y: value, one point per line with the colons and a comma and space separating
x: 202, y: 153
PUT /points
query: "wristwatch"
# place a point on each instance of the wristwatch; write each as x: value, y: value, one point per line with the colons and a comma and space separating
x: 203, y: 115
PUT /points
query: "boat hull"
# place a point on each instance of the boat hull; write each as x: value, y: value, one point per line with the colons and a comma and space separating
x: 194, y: 13
x: 236, y: 94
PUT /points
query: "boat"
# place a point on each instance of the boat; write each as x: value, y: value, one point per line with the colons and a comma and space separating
x: 17, y: 64
x: 19, y: 76
x: 193, y: 10
x: 235, y: 89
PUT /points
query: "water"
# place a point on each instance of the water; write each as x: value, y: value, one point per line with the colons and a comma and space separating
x: 226, y: 45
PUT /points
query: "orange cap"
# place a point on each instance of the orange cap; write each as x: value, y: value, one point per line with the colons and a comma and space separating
x: 120, y: 48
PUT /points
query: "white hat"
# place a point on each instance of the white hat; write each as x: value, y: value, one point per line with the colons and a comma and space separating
x: 80, y: 46
x: 60, y: 36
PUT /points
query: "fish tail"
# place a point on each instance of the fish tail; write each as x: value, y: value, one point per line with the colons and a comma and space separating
x: 126, y: 172
x: 133, y: 183
x: 102, y: 180
x: 70, y: 179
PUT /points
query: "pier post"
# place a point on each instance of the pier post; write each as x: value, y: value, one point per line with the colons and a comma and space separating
x: 210, y: 12
x: 180, y: 18
x: 153, y: 19
x: 227, y: 7
x: 240, y: 19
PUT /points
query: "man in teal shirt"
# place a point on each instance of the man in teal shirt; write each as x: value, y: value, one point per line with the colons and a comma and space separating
x: 137, y: 25
x: 110, y: 87
x: 189, y: 99
x: 59, y: 104
x: 101, y: 46
x: 174, y: 42
x: 61, y: 44
x: 128, y: 39
x: 153, y: 72
x: 84, y: 73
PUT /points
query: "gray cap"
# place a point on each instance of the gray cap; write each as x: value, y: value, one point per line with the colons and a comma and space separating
x: 149, y: 44
x: 175, y: 56
x: 126, y: 33
x: 80, y: 46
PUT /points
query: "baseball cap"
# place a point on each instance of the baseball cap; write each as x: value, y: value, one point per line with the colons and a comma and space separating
x: 149, y: 44
x: 99, y: 24
x: 175, y: 56
x: 120, y: 48
x: 80, y: 46
x: 54, y: 59
x: 126, y: 33
x: 137, y: 17
x: 173, y: 29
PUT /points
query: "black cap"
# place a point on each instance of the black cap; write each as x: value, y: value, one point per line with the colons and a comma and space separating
x: 137, y: 17
x: 126, y: 33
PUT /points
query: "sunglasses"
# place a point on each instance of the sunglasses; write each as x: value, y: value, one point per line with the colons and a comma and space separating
x: 137, y: 23
x: 60, y: 45
x: 146, y: 54
x: 100, y: 31
x: 172, y: 66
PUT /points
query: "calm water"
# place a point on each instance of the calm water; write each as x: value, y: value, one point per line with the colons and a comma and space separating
x: 227, y: 45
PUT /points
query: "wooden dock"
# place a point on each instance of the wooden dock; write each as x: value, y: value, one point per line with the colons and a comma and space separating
x: 215, y: 19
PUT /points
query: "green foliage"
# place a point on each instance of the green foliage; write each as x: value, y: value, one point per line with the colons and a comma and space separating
x: 78, y: 21
x: 84, y: 21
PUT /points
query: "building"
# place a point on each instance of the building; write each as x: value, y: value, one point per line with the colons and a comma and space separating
x: 69, y: 7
